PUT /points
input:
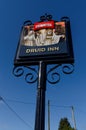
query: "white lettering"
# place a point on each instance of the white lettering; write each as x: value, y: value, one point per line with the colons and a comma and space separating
x: 53, y: 48
x: 35, y: 50
x: 44, y: 25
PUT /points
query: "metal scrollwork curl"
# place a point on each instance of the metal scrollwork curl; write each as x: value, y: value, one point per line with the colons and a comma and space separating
x: 18, y: 71
x: 68, y: 68
x: 53, y: 77
x: 30, y: 77
x: 53, y: 74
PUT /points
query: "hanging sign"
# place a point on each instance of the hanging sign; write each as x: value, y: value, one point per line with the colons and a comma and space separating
x: 49, y: 41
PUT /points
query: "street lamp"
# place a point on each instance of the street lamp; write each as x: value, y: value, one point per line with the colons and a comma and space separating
x: 44, y: 43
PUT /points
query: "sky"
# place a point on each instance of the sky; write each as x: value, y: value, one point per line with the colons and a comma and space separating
x: 17, y: 109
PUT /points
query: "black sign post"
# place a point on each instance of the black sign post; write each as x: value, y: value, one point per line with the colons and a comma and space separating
x: 43, y: 43
x: 40, y: 107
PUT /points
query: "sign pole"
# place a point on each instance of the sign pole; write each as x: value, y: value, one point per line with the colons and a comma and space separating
x: 40, y: 106
x: 42, y: 43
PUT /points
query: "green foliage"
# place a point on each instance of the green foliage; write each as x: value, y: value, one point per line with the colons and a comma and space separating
x: 65, y: 125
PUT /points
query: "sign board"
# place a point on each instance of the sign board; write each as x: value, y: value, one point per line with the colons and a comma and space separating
x: 49, y: 41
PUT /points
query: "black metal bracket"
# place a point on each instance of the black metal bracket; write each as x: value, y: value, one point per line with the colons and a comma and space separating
x: 53, y: 75
x: 30, y: 77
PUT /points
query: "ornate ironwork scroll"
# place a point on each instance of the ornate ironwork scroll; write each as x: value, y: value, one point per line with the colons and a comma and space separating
x: 67, y: 68
x: 30, y: 77
x: 53, y: 75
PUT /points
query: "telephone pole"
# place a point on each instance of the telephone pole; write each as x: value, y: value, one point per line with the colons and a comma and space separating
x: 73, y: 117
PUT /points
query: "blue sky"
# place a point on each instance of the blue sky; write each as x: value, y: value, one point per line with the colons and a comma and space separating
x: 71, y: 90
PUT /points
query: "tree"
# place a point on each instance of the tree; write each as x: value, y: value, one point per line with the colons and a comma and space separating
x: 65, y: 125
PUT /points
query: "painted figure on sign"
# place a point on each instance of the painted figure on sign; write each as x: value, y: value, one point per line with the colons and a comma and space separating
x: 29, y: 36
x: 59, y: 32
x: 40, y: 37
x: 49, y: 36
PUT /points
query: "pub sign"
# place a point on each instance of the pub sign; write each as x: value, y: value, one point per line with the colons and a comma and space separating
x: 47, y: 40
